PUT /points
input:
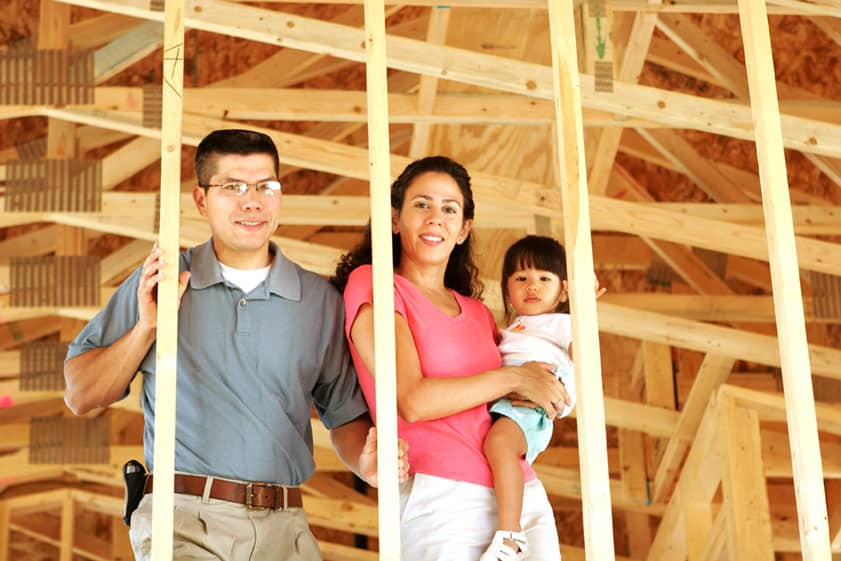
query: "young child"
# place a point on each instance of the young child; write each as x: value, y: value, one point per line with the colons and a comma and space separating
x: 534, y: 287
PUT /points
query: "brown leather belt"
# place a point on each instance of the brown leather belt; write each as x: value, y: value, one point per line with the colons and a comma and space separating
x: 252, y: 495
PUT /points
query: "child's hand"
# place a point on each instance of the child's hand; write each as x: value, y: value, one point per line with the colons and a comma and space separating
x: 599, y: 289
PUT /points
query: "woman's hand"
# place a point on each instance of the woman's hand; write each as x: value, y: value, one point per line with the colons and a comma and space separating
x: 538, y: 386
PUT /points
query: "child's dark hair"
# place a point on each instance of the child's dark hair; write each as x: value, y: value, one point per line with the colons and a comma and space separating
x: 231, y: 141
x: 534, y: 252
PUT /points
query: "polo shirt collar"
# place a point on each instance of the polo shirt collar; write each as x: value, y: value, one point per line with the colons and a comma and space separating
x: 283, y: 278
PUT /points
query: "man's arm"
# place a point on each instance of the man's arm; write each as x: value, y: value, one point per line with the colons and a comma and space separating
x: 356, y: 444
x: 99, y: 377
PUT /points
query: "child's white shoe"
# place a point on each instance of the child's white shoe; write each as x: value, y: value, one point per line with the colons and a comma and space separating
x: 500, y: 551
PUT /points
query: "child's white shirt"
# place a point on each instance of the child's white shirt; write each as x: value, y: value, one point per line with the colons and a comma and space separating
x: 541, y: 338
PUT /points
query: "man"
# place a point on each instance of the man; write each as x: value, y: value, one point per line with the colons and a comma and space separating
x: 260, y: 341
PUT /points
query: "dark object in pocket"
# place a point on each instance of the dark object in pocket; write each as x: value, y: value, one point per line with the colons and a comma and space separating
x: 134, y: 474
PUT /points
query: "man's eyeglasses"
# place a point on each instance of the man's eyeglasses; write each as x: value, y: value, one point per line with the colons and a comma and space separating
x: 240, y: 188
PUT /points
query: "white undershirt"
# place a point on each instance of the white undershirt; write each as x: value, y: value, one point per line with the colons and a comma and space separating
x: 245, y: 279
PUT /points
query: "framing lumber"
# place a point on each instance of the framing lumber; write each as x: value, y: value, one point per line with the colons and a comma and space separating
x: 67, y: 524
x: 119, y: 264
x: 698, y: 483
x: 439, y: 21
x: 532, y: 80
x: 683, y: 156
x: 383, y: 284
x: 126, y: 49
x: 41, y: 241
x: 710, y: 307
x: 569, y: 128
x: 629, y: 69
x: 745, y: 241
x: 659, y: 388
x: 794, y: 355
x: 733, y: 76
x: 679, y: 257
x: 749, y: 534
x: 5, y: 530
x: 637, y: 219
x: 97, y: 30
x: 636, y: 146
x: 166, y: 345
x: 128, y: 160
x: 704, y: 337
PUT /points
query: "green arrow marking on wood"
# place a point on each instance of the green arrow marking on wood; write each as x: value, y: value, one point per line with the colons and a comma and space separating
x: 601, y: 44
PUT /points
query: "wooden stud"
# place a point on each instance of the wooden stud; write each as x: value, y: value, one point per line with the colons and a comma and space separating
x: 698, y: 483
x: 634, y: 476
x: 713, y: 372
x: 659, y: 390
x: 833, y: 501
x: 716, y: 540
x: 383, y: 280
x: 67, y: 524
x: 629, y: 68
x: 598, y: 521
x: 698, y: 522
x: 5, y: 530
x: 800, y: 406
x: 749, y: 533
x: 167, y: 329
x: 439, y: 20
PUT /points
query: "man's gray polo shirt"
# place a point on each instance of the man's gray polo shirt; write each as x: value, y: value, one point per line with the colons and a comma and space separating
x: 250, y: 367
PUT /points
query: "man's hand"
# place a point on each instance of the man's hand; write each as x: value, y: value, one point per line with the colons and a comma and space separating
x: 147, y: 294
x: 368, y: 459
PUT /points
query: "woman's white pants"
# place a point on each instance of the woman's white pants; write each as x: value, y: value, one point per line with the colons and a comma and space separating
x: 445, y: 520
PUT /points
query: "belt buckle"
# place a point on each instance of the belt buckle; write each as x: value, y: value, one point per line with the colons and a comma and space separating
x: 249, y: 495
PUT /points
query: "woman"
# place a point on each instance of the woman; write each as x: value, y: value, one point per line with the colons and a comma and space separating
x: 448, y: 369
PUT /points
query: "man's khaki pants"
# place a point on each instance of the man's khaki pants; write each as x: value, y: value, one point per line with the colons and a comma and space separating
x: 215, y: 530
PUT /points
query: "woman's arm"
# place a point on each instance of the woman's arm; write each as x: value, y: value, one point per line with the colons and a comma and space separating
x: 420, y: 398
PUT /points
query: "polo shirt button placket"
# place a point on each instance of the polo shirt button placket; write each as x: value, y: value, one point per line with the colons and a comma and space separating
x: 243, y: 324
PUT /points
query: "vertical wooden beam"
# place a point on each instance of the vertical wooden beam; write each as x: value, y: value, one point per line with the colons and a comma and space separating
x: 711, y: 374
x: 785, y: 279
x: 595, y: 484
x: 628, y: 71
x: 167, y: 327
x: 635, y: 487
x: 439, y: 21
x: 833, y: 500
x: 659, y: 381
x: 659, y: 391
x: 379, y: 162
x: 716, y: 540
x: 53, y: 33
x: 68, y: 515
x: 5, y: 530
x: 698, y: 520
x: 53, y: 25
x: 698, y: 484
x: 743, y: 484
x: 120, y: 544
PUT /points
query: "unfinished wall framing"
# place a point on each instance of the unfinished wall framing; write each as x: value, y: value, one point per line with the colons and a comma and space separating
x: 699, y: 173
